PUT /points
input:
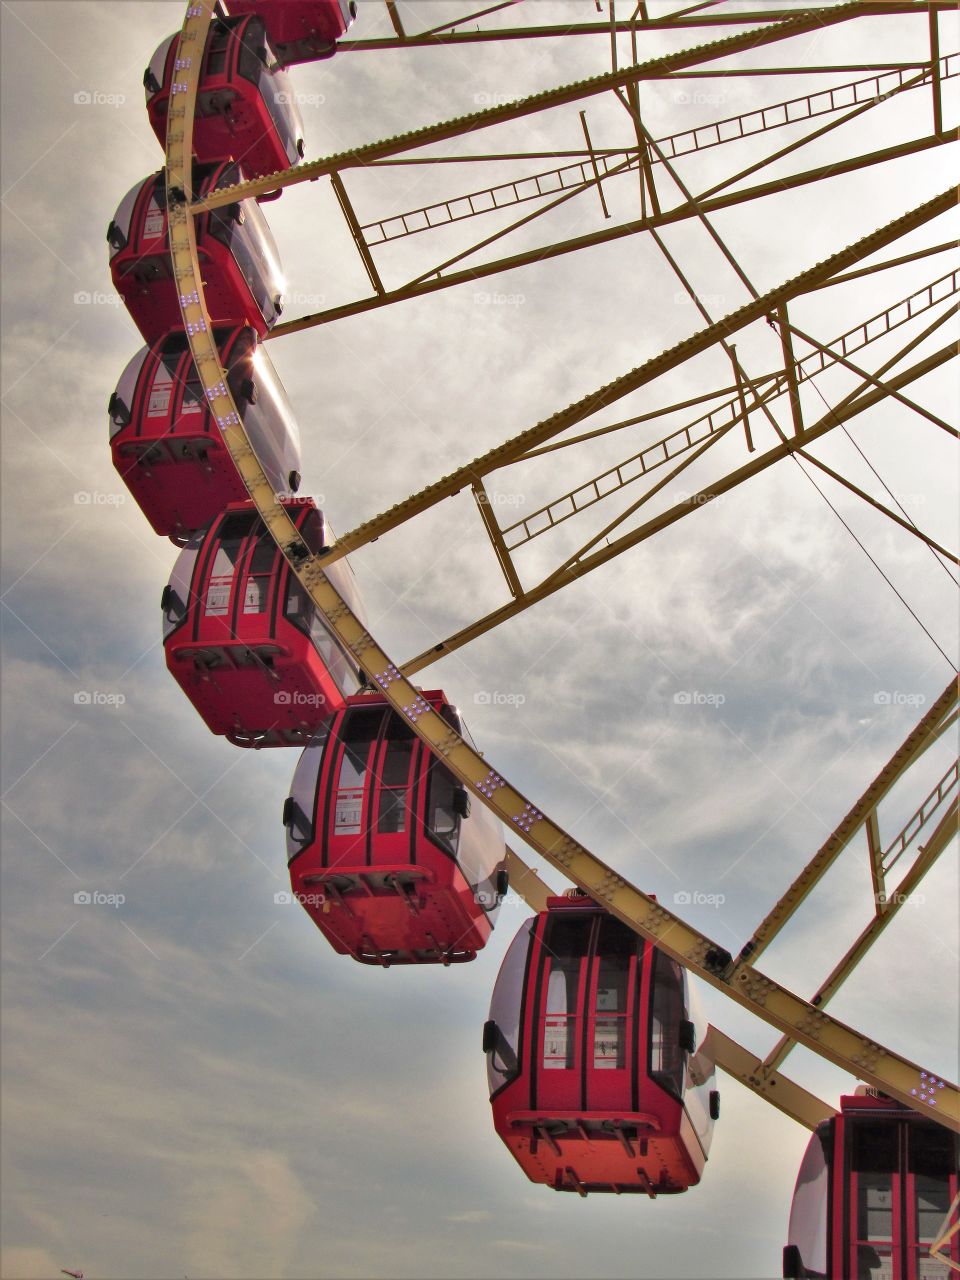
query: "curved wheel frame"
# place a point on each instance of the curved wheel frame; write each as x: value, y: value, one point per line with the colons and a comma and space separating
x: 794, y: 1017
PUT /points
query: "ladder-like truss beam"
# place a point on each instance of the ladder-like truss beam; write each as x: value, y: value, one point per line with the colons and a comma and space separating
x: 885, y: 911
x: 583, y: 565
x: 578, y: 175
x: 406, y: 40
x: 751, y: 311
x: 428, y: 284
x: 720, y: 418
x: 656, y: 68
x: 913, y: 746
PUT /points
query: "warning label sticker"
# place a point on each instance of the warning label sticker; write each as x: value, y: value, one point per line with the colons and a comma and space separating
x: 347, y: 816
x: 218, y: 596
x: 153, y: 222
x: 555, y: 1044
x: 159, y: 405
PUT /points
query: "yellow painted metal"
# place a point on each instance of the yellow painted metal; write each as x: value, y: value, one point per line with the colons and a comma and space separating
x: 849, y: 408
x: 790, y: 366
x: 482, y: 499
x: 885, y: 911
x: 525, y: 881
x: 906, y: 524
x: 432, y: 283
x: 655, y: 68
x: 946, y: 1233
x: 875, y: 852
x: 784, y: 1094
x: 772, y: 1003
x: 757, y: 309
x: 913, y: 745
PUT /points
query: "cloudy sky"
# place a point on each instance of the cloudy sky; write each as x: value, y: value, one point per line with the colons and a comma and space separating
x: 194, y: 1084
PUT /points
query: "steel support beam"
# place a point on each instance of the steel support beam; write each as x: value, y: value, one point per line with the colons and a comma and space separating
x: 534, y: 257
x: 844, y: 1046
x: 751, y: 311
x: 945, y: 832
x: 671, y: 516
x: 620, y: 26
x: 656, y: 68
x: 912, y: 746
x: 788, y: 1097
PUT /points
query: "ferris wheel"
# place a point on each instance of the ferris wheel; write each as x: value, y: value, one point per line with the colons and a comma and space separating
x: 393, y: 820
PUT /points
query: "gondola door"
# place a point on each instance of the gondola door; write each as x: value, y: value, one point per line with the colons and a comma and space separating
x: 348, y: 772
x: 930, y: 1186
x: 611, y: 1010
x: 561, y: 1038
x: 874, y: 1218
x: 257, y: 590
x: 902, y: 1177
x: 395, y: 801
x: 220, y: 593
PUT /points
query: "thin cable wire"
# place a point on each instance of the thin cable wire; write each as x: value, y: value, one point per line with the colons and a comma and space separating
x: 893, y: 497
x: 909, y: 610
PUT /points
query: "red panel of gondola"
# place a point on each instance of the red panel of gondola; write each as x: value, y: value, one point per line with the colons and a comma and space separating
x: 594, y: 1081
x: 246, y: 108
x: 170, y: 450
x: 301, y: 30
x: 386, y: 853
x: 874, y: 1190
x: 243, y: 283
x: 245, y: 642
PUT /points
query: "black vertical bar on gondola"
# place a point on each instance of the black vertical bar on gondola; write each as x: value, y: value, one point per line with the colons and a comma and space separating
x: 370, y: 796
x: 201, y: 572
x: 639, y: 1062
x: 415, y: 792
x: 588, y: 966
x: 536, y: 1054
x: 332, y: 758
